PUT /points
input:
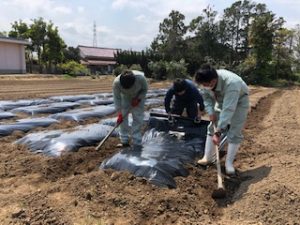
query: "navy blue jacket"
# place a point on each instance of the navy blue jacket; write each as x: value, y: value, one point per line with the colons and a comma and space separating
x: 191, y: 96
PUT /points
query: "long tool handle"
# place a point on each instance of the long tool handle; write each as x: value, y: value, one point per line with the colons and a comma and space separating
x: 117, y: 124
x: 107, y: 136
x: 112, y: 130
x: 220, y: 179
x: 175, y: 116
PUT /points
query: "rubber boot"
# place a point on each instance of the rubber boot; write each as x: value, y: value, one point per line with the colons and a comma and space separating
x: 231, y: 153
x: 123, y: 145
x: 209, y: 152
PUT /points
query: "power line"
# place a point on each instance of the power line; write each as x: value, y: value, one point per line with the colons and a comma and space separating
x: 95, y: 35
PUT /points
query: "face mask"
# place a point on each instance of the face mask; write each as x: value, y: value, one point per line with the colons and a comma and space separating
x: 207, y: 87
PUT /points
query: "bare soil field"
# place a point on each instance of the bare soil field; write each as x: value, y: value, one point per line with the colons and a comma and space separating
x: 35, y: 86
x: 71, y: 189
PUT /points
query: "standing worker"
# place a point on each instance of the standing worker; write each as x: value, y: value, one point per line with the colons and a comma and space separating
x: 187, y: 96
x: 226, y: 100
x: 129, y: 91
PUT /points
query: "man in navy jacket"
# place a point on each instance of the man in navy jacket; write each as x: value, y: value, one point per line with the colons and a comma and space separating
x: 187, y: 96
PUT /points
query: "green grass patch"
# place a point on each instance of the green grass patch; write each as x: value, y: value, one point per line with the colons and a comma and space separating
x: 68, y: 76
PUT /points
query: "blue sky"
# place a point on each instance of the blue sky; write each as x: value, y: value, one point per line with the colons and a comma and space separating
x: 126, y: 24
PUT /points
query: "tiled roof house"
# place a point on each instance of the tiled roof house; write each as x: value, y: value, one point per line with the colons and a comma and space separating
x: 98, y: 60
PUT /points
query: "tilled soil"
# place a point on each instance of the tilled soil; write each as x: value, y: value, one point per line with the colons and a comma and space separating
x: 36, y: 189
x: 39, y: 86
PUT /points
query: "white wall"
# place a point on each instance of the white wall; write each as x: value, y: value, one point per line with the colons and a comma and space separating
x: 12, y: 58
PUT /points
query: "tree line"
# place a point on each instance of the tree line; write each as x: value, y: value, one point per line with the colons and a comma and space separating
x: 248, y: 39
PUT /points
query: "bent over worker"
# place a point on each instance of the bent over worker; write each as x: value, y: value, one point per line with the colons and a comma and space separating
x: 187, y: 96
x: 226, y: 100
x: 129, y: 92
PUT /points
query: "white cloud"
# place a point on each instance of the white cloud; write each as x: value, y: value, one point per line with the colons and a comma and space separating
x: 128, y: 41
x: 78, y: 28
x: 42, y: 8
x: 137, y: 4
x: 293, y: 2
x: 131, y: 38
x: 120, y: 23
x: 63, y: 10
x: 141, y: 18
x: 80, y: 9
x: 119, y: 4
x: 104, y: 29
x: 31, y: 5
x: 160, y: 8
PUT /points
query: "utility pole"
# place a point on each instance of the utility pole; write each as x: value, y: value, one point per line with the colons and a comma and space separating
x: 95, y: 35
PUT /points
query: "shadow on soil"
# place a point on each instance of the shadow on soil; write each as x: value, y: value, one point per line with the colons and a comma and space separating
x: 237, y: 185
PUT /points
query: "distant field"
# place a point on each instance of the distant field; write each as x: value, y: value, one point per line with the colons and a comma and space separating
x: 38, y: 86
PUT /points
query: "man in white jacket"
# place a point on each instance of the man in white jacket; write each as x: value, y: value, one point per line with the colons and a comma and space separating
x: 226, y: 100
x: 129, y: 91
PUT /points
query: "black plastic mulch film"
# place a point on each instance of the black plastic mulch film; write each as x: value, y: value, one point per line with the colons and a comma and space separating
x: 25, y: 125
x: 85, y: 113
x: 46, y: 108
x: 6, y: 115
x: 56, y: 142
x: 167, y: 148
x: 58, y: 110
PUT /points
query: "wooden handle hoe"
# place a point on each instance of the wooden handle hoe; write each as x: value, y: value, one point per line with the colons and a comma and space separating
x: 117, y: 124
x: 220, y: 192
x: 110, y: 132
x: 107, y: 136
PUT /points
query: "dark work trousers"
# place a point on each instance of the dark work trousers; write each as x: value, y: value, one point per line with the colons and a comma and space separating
x: 191, y: 108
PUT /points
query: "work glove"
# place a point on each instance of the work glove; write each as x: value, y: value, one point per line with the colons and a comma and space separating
x: 213, y: 118
x: 135, y: 102
x: 120, y: 118
x: 217, y: 138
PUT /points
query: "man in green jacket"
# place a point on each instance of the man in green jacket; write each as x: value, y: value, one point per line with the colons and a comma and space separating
x: 226, y: 100
x: 129, y: 91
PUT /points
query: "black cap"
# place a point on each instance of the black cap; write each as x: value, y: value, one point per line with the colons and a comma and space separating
x: 179, y: 85
x: 205, y: 74
x: 127, y: 79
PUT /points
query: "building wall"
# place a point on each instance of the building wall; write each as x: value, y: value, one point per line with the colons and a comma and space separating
x: 12, y: 58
